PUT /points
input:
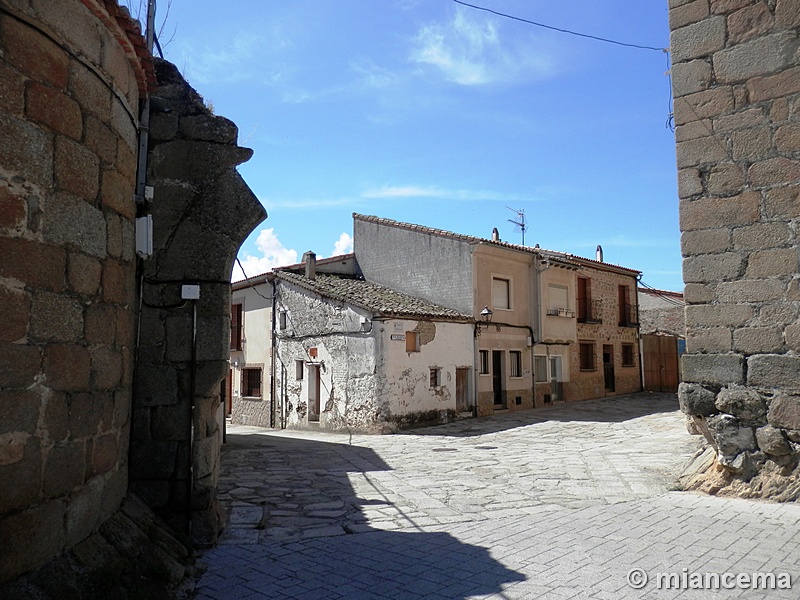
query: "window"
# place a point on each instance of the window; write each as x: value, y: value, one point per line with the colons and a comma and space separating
x: 585, y: 312
x: 236, y: 327
x: 412, y: 341
x: 628, y: 355
x: 501, y: 297
x: 627, y: 310
x: 282, y: 320
x: 587, y: 356
x: 436, y: 377
x: 484, y: 362
x: 540, y: 369
x: 298, y: 370
x: 558, y: 302
x: 251, y: 383
x: 516, y: 363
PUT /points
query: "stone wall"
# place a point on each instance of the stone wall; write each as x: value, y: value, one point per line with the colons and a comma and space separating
x: 71, y: 74
x: 736, y: 86
x: 202, y: 211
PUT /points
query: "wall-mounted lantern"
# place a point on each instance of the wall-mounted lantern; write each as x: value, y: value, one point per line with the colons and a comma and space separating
x: 486, y: 318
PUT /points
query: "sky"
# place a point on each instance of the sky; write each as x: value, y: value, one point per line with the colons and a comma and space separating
x: 439, y: 114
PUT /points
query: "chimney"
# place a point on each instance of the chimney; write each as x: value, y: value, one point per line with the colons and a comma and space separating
x: 599, y: 253
x: 310, y: 260
x: 495, y: 235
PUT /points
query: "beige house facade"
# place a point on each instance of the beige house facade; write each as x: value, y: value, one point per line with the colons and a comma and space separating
x: 562, y: 328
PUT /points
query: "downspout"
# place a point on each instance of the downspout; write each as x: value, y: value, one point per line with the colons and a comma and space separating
x: 272, y: 360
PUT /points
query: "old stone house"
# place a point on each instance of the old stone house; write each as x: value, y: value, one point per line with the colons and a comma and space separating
x: 563, y: 328
x: 251, y: 343
x: 352, y: 354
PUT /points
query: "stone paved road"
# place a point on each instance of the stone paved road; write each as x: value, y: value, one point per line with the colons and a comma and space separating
x: 557, y: 503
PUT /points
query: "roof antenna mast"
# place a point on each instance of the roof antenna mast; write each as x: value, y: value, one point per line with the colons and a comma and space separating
x: 520, y: 222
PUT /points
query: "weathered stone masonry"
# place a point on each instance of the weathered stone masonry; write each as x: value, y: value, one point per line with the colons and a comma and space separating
x: 736, y: 87
x: 202, y: 210
x: 71, y: 74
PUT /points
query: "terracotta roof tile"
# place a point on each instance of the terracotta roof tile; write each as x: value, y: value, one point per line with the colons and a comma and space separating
x: 371, y: 296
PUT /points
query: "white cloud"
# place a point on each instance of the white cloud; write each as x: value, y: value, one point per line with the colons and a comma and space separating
x: 273, y: 254
x: 344, y: 245
x: 412, y: 191
x: 469, y: 50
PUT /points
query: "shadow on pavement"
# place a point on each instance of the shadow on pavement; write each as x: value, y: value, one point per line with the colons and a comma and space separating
x: 617, y: 409
x: 297, y: 530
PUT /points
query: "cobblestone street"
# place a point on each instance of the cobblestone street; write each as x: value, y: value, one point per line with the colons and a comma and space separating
x: 557, y: 503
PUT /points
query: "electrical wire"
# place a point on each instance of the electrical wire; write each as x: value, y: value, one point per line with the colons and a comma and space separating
x: 584, y: 35
x: 661, y: 295
x: 251, y: 284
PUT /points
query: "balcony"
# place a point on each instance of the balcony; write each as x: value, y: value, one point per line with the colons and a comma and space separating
x: 628, y: 315
x: 589, y: 311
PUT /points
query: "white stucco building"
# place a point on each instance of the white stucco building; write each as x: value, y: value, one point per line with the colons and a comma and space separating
x: 352, y: 354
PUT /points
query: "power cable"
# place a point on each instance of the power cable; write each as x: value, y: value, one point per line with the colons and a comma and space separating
x: 584, y: 35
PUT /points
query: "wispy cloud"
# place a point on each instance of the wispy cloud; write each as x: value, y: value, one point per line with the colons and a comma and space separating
x: 306, y: 202
x: 412, y: 191
x: 470, y: 50
x: 228, y: 58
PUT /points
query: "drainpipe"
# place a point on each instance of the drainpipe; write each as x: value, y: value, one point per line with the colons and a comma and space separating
x: 272, y: 360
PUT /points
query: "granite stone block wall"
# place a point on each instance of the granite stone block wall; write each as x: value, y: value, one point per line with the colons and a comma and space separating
x: 202, y: 210
x: 736, y: 88
x: 71, y: 77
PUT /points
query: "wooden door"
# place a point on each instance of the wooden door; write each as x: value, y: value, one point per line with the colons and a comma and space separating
x: 608, y: 368
x: 462, y: 389
x: 660, y: 359
x: 498, y: 378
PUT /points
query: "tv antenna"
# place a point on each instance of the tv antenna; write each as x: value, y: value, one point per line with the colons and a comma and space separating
x: 520, y: 222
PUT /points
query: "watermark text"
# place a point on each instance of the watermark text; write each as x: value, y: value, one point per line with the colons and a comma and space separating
x: 690, y: 580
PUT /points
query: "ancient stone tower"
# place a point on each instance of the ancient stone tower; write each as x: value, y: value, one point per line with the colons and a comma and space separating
x: 736, y: 78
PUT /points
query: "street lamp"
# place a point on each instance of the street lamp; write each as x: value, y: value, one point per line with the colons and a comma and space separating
x: 486, y: 318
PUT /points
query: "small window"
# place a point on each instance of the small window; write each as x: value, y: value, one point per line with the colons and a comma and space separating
x: 298, y: 370
x: 484, y: 362
x: 282, y: 320
x: 628, y: 355
x: 501, y: 296
x: 436, y: 377
x: 236, y: 327
x: 587, y: 356
x: 516, y: 363
x: 412, y: 341
x: 540, y: 369
x: 251, y: 383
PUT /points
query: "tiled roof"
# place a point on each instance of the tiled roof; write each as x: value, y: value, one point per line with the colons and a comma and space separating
x: 577, y: 260
x: 373, y: 297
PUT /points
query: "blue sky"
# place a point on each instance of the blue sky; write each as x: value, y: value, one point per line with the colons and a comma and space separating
x: 430, y: 112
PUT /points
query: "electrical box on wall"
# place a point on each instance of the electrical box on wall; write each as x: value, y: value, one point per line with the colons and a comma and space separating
x: 144, y: 236
x: 190, y: 292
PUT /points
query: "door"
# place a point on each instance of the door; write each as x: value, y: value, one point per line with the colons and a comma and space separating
x: 608, y: 367
x: 229, y: 398
x: 660, y: 360
x: 462, y: 389
x: 498, y: 378
x: 313, y: 393
x: 555, y: 378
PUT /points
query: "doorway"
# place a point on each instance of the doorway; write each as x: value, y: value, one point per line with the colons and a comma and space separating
x: 462, y: 389
x: 660, y: 363
x: 498, y: 377
x: 313, y: 393
x: 608, y: 367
